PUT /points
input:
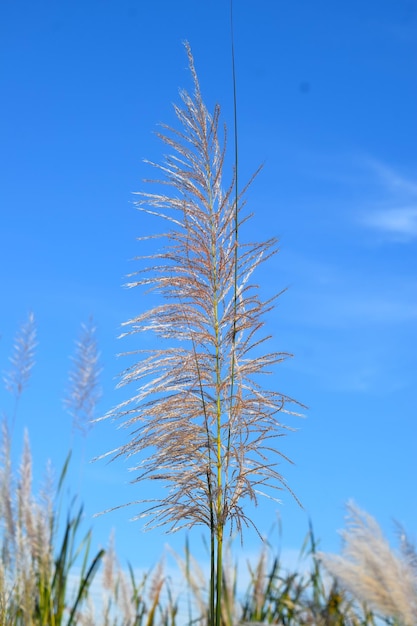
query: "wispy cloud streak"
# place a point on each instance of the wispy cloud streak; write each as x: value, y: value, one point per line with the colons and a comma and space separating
x: 397, y: 219
x: 401, y: 222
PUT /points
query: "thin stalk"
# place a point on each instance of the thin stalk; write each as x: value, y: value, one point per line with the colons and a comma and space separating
x: 212, y: 593
x: 217, y: 529
x: 212, y: 560
x: 236, y: 187
x: 220, y: 529
x: 210, y: 492
x: 221, y: 499
x: 219, y: 580
x: 236, y: 225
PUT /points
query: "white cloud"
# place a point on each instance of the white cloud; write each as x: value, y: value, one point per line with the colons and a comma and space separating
x: 392, y: 179
x: 397, y: 218
x: 401, y: 223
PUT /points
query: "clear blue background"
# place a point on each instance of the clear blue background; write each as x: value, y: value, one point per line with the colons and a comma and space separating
x: 327, y: 100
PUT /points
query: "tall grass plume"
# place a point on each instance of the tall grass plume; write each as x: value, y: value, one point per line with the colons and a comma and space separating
x: 202, y: 424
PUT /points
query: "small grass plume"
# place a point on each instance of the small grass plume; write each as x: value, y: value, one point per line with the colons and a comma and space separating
x: 23, y: 357
x: 372, y: 572
x: 84, y: 391
x: 201, y: 422
x: 16, y: 379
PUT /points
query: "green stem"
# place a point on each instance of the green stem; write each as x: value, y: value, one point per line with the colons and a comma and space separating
x: 219, y: 580
x: 217, y: 521
x: 217, y: 525
x: 212, y: 559
x: 217, y: 529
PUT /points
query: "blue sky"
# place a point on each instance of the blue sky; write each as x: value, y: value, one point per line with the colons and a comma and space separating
x: 327, y: 96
